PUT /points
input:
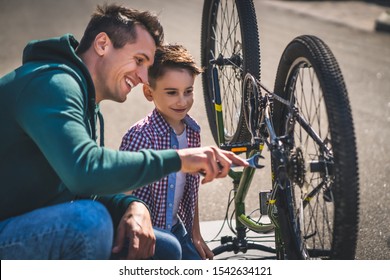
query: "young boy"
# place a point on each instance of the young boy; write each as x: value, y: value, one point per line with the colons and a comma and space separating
x: 173, y: 201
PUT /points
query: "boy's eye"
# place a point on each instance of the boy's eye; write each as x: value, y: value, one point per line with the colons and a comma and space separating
x: 171, y: 92
x: 189, y: 92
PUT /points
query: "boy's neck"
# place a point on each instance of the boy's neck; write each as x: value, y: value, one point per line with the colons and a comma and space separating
x: 178, y: 127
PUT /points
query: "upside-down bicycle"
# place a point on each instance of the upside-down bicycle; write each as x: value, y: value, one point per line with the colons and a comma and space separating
x: 305, y: 123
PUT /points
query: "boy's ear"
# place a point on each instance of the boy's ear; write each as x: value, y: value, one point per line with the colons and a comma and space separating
x: 148, y: 92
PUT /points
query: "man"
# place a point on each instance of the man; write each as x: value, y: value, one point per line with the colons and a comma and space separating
x: 59, y: 190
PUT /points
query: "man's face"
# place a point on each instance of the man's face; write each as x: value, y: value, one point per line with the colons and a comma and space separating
x: 119, y: 70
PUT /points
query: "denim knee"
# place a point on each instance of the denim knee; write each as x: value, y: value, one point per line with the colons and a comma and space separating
x: 73, y: 230
x: 91, y: 222
x: 167, y: 246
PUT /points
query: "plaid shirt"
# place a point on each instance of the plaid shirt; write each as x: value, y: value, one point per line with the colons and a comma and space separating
x: 153, y: 132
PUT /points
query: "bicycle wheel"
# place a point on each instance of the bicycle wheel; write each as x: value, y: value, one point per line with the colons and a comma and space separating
x: 318, y: 209
x: 229, y: 42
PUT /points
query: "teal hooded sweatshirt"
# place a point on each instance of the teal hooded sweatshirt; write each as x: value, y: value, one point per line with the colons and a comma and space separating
x: 48, y: 148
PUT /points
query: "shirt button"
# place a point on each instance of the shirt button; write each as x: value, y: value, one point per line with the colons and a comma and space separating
x: 170, y: 204
x: 174, y: 146
x: 168, y: 226
x: 171, y: 186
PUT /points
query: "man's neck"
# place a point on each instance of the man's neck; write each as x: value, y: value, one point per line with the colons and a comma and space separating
x: 89, y: 62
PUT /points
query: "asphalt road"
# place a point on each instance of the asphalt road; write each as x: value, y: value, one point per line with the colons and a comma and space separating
x: 363, y: 55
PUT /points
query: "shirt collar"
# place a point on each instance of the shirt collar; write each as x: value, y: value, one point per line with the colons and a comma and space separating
x: 163, y: 128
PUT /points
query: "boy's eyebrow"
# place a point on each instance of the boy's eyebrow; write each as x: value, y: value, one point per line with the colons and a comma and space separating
x: 168, y: 88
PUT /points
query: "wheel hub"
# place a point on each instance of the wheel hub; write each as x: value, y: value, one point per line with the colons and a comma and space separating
x: 296, y: 168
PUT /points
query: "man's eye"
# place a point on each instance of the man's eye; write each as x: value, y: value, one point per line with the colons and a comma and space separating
x: 171, y: 92
x: 139, y: 61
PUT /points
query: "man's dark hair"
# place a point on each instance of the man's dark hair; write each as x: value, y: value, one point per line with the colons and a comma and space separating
x: 168, y: 57
x: 119, y: 23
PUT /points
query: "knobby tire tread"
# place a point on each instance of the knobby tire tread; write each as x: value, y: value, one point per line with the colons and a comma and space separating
x: 343, y: 142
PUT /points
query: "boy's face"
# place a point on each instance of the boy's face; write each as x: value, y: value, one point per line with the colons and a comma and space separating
x: 173, y: 95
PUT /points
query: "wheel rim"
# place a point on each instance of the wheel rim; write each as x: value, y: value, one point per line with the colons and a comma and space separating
x: 314, y: 201
x: 227, y: 53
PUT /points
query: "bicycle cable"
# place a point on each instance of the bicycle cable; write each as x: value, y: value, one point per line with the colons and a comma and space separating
x: 230, y: 200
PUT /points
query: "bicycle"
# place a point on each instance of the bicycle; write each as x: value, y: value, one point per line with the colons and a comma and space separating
x: 305, y: 123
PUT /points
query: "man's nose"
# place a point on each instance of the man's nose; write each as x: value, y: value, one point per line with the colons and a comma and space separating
x: 143, y: 75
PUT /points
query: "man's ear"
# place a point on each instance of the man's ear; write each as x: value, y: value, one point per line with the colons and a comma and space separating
x: 148, y: 93
x: 101, y: 43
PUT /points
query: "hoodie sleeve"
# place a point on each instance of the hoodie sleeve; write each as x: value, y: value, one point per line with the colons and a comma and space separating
x: 51, y: 111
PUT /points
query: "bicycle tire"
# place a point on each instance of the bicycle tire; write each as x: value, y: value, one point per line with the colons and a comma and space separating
x: 318, y: 209
x: 229, y: 30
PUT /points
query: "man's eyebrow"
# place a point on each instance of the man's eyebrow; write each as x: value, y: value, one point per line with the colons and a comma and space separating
x: 144, y: 55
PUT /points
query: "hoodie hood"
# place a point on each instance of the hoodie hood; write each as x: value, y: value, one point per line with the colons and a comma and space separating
x: 61, y: 50
x: 57, y: 49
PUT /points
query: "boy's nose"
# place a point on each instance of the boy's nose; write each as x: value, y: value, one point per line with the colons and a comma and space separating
x: 181, y: 100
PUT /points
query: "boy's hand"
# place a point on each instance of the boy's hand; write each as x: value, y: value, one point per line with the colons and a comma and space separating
x: 210, y: 161
x: 202, y: 248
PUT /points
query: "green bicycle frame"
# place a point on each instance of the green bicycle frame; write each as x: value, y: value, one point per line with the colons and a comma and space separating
x: 241, y: 179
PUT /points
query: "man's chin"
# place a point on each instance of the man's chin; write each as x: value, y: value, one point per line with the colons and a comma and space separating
x: 122, y: 99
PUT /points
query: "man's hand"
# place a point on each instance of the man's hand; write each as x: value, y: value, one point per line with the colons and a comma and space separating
x: 210, y: 161
x: 136, y: 229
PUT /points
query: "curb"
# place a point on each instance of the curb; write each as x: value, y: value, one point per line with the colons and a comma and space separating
x: 368, y: 15
x: 382, y: 24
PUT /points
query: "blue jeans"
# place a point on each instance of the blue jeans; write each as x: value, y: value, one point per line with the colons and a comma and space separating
x: 175, y: 245
x: 189, y: 251
x: 167, y: 246
x: 75, y: 230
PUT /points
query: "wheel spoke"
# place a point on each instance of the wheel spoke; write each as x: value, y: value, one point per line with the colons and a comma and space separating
x: 317, y: 221
x: 227, y: 32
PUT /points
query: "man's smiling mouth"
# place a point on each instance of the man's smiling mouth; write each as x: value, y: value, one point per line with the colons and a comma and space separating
x: 129, y: 82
